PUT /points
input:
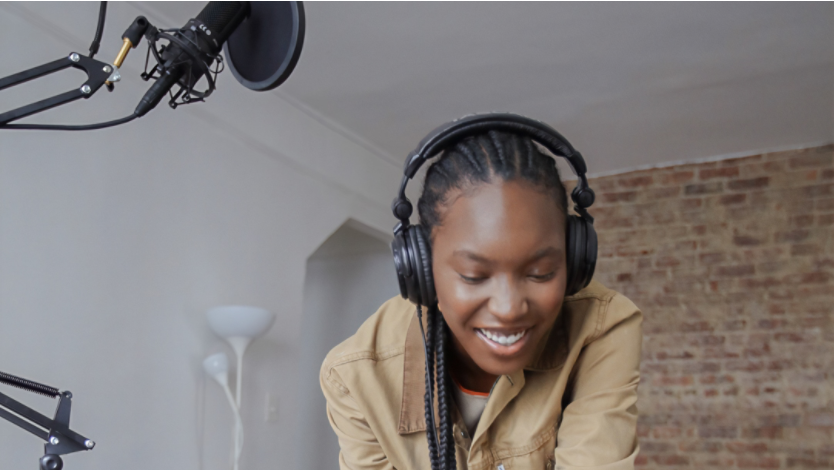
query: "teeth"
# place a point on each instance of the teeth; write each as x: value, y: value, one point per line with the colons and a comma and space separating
x: 501, y: 339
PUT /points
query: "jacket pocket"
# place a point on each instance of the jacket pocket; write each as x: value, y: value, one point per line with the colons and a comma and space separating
x: 542, y: 457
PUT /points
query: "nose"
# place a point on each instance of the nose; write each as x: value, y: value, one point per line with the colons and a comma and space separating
x: 508, y: 301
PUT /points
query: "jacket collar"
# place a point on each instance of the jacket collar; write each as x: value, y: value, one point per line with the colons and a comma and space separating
x: 552, y: 351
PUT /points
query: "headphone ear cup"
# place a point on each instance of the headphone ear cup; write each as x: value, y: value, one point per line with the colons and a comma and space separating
x: 398, y: 248
x: 425, y: 276
x: 571, y: 253
x: 590, y: 251
x: 581, y: 252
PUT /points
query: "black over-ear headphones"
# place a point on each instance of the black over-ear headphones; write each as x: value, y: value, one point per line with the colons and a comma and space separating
x: 412, y: 253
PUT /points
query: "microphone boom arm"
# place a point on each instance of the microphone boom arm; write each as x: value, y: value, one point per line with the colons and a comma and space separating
x: 97, y: 74
x: 59, y: 438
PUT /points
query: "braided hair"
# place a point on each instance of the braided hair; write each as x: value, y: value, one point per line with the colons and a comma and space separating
x: 471, y: 162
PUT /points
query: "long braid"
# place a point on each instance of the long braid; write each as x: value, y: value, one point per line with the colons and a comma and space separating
x: 447, y: 438
x: 427, y: 401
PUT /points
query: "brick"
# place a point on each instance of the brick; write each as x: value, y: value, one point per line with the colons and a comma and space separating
x: 793, y: 462
x: 801, y: 221
x: 819, y: 277
x: 824, y: 205
x: 667, y: 262
x: 721, y: 432
x: 763, y: 432
x: 746, y: 447
x: 752, y: 183
x: 703, y: 188
x: 636, y: 181
x: 701, y: 368
x: 827, y: 174
x: 624, y: 277
x: 821, y: 419
x: 819, y: 190
x: 666, y: 432
x: 630, y: 252
x: 791, y: 236
x: 654, y: 447
x: 701, y: 446
x: 805, y: 250
x: 670, y: 460
x: 747, y: 240
x: 602, y: 224
x: 758, y: 462
x: 733, y: 199
x: 790, y: 337
x: 735, y: 271
x: 783, y: 420
x: 725, y: 172
x: 690, y: 204
x: 805, y: 161
x: 711, y: 258
x: 625, y: 196
x: 678, y: 177
x: 664, y: 193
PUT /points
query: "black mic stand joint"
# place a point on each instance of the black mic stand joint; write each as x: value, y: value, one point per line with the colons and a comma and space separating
x: 59, y: 438
x: 97, y: 74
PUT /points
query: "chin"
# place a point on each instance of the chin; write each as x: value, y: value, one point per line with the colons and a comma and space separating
x: 502, y: 368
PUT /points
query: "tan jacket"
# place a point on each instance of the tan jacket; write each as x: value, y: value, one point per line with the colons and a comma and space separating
x: 573, y: 407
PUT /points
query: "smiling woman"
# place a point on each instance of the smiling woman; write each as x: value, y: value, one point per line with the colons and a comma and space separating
x: 533, y: 364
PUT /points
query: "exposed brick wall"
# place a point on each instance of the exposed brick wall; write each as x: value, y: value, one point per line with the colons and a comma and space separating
x: 732, y: 263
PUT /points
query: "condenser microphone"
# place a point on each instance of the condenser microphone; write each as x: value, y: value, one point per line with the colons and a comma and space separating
x: 261, y: 42
x: 193, y: 49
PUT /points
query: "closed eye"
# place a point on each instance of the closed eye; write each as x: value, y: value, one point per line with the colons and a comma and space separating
x: 471, y: 280
x: 542, y: 277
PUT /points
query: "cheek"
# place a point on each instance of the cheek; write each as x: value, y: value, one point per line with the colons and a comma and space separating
x: 457, y: 300
x: 549, y: 296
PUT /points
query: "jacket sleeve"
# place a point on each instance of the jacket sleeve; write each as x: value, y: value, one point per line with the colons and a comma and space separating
x: 599, y: 425
x: 360, y: 449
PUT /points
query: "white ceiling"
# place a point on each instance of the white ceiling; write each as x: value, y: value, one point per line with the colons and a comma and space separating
x: 630, y: 84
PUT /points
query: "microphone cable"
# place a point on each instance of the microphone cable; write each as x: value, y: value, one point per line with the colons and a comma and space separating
x: 61, y: 127
x: 102, y: 13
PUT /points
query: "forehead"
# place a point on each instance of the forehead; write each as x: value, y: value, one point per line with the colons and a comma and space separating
x: 500, y: 219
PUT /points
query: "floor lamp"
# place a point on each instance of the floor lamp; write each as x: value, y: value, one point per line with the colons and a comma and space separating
x: 239, y: 325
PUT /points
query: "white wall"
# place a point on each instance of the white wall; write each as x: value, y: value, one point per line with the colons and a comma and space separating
x: 347, y: 279
x: 113, y: 243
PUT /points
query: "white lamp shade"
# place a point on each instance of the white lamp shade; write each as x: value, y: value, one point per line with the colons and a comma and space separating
x: 216, y: 364
x: 229, y: 321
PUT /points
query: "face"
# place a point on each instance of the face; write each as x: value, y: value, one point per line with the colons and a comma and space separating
x: 498, y: 260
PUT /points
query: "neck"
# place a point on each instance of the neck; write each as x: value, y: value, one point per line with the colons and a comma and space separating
x: 467, y: 373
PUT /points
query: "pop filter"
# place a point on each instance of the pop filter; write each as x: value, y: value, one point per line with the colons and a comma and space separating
x: 263, y: 50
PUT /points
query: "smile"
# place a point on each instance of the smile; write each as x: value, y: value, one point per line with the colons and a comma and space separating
x: 502, y: 339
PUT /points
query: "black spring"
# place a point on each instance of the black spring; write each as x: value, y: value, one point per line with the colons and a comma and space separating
x: 33, y: 387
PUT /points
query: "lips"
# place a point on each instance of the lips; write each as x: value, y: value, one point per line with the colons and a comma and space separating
x: 504, y: 342
x: 502, y: 338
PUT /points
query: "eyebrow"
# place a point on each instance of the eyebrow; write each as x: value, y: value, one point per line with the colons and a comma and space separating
x: 544, y: 252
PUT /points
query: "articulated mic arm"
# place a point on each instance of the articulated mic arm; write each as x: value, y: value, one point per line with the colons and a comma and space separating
x: 59, y: 438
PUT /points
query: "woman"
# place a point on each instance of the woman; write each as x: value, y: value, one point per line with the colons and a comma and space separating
x: 533, y: 365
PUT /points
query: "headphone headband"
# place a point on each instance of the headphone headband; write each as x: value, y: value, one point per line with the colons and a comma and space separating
x: 475, y: 124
